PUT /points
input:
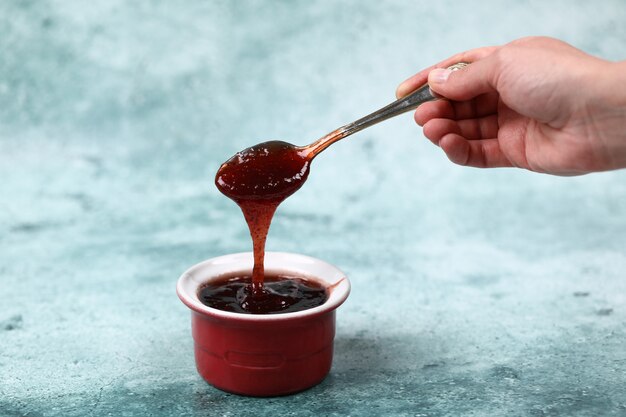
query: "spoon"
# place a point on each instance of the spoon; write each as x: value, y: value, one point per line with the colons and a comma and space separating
x: 272, y: 171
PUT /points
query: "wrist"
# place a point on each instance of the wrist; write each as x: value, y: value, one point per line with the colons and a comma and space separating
x: 613, y: 116
x: 613, y: 84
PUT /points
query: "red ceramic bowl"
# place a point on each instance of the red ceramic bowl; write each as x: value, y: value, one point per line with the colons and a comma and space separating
x: 263, y: 354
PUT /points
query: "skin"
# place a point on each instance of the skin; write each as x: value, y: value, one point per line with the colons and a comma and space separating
x: 535, y: 103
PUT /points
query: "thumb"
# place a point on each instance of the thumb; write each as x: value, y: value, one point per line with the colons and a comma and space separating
x: 465, y: 83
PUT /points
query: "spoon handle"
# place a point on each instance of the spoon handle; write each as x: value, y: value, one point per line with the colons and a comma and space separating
x: 422, y: 95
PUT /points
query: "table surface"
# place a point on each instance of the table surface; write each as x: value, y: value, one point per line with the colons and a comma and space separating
x: 475, y: 292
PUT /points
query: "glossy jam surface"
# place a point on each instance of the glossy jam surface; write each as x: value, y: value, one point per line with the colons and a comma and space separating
x: 279, y: 294
x: 269, y: 171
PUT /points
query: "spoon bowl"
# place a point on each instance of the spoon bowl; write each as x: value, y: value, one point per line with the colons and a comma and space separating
x: 268, y: 171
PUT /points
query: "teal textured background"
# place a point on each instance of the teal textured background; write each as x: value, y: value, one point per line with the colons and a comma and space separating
x: 475, y: 292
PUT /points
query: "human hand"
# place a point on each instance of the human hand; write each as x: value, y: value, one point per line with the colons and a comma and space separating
x: 536, y: 103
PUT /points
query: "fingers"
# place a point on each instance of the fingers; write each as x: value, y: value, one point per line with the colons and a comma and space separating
x: 441, y: 109
x: 470, y: 142
x: 472, y: 129
x: 419, y: 79
x: 470, y: 56
x: 467, y: 128
x: 478, y: 78
x: 413, y: 83
x: 480, y: 128
x: 481, y: 106
x: 485, y: 153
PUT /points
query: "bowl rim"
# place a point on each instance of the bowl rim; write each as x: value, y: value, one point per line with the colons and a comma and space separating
x: 194, y: 277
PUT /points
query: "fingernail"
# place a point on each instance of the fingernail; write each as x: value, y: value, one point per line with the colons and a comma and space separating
x: 439, y: 75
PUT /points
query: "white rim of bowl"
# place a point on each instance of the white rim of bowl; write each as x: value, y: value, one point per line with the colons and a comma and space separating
x: 193, y: 278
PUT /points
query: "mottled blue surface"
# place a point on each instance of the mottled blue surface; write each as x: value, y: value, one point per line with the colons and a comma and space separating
x: 474, y: 292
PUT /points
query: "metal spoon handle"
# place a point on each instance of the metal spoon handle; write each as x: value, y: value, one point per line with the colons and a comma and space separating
x: 410, y: 102
x: 422, y: 95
